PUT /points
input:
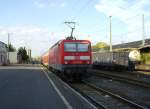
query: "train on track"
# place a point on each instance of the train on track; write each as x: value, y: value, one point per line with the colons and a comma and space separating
x: 69, y: 58
x: 116, y: 60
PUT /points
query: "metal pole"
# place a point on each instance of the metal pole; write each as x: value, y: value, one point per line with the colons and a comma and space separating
x: 110, y: 33
x: 72, y: 32
x: 30, y: 55
x: 143, y: 31
x: 8, y: 46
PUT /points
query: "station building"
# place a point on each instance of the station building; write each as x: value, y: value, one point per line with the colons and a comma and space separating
x: 130, y: 45
x: 3, y: 53
x: 136, y: 45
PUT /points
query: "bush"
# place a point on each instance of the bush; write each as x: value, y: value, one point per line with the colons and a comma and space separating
x: 145, y: 58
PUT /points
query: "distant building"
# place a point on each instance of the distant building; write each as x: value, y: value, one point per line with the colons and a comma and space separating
x: 13, y: 58
x: 135, y: 44
x: 132, y: 46
x: 3, y: 53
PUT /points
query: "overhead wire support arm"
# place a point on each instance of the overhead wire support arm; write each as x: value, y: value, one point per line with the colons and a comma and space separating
x: 72, y: 26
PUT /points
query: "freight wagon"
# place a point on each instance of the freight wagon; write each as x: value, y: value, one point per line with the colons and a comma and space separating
x: 115, y: 60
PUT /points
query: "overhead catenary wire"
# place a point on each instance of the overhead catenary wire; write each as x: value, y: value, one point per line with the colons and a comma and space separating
x: 74, y: 5
x: 105, y: 29
x: 78, y: 9
x: 83, y: 8
x: 75, y: 8
x: 133, y: 17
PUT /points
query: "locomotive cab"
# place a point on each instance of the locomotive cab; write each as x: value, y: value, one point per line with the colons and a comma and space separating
x: 76, y: 56
x: 69, y: 58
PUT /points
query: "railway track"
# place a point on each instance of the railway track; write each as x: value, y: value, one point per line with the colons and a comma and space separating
x: 103, y: 98
x: 123, y: 79
x: 77, y: 87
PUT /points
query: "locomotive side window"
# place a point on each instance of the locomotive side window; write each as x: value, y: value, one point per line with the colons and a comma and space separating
x: 82, y: 47
x: 70, y: 47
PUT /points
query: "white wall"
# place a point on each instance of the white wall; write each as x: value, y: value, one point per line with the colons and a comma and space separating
x: 13, y: 57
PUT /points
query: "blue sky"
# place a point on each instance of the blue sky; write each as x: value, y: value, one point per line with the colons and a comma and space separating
x: 37, y: 24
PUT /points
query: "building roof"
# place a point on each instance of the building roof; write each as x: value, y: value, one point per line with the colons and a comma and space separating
x: 135, y: 44
x: 2, y: 42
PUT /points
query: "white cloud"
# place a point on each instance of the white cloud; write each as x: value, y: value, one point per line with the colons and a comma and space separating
x: 49, y: 3
x: 36, y: 38
x: 129, y: 12
x: 63, y: 4
x: 39, y: 4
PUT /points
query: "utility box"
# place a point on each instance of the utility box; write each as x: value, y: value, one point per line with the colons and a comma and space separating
x: 13, y: 58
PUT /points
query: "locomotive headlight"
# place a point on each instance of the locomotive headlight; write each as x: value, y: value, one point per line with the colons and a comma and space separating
x: 114, y: 61
x: 66, y: 62
x: 69, y: 57
x: 88, y: 62
x: 84, y: 57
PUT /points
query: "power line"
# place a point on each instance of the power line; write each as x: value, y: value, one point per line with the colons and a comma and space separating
x: 130, y: 32
x: 83, y: 8
x: 79, y: 10
x: 74, y: 5
x: 129, y: 18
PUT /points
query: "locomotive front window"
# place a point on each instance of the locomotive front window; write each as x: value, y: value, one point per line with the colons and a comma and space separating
x: 70, y: 47
x: 76, y: 47
x: 82, y: 47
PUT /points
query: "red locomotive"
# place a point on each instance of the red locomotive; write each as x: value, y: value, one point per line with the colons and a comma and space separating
x: 70, y: 58
x: 45, y: 58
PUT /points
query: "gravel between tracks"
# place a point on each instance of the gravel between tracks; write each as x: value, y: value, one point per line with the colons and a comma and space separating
x: 108, y: 101
x: 135, y: 93
x: 127, y: 74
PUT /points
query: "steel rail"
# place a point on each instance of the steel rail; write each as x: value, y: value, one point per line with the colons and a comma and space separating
x: 97, y: 104
x: 123, y: 79
x: 138, y: 106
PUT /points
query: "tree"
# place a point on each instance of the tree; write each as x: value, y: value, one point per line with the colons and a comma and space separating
x: 22, y: 53
x: 100, y: 46
x: 10, y: 48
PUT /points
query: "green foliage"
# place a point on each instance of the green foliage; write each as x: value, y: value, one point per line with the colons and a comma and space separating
x: 145, y: 58
x: 23, y: 54
x: 10, y: 48
x: 100, y: 46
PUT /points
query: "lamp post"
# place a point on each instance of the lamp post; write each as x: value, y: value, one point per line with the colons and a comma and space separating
x: 143, y: 31
x: 110, y: 34
x: 8, y: 46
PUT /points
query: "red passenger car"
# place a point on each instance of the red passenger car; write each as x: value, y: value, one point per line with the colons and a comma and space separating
x: 70, y: 57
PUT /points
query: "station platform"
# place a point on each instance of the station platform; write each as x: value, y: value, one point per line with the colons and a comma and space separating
x: 74, y: 99
x: 143, y: 69
x: 32, y: 87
